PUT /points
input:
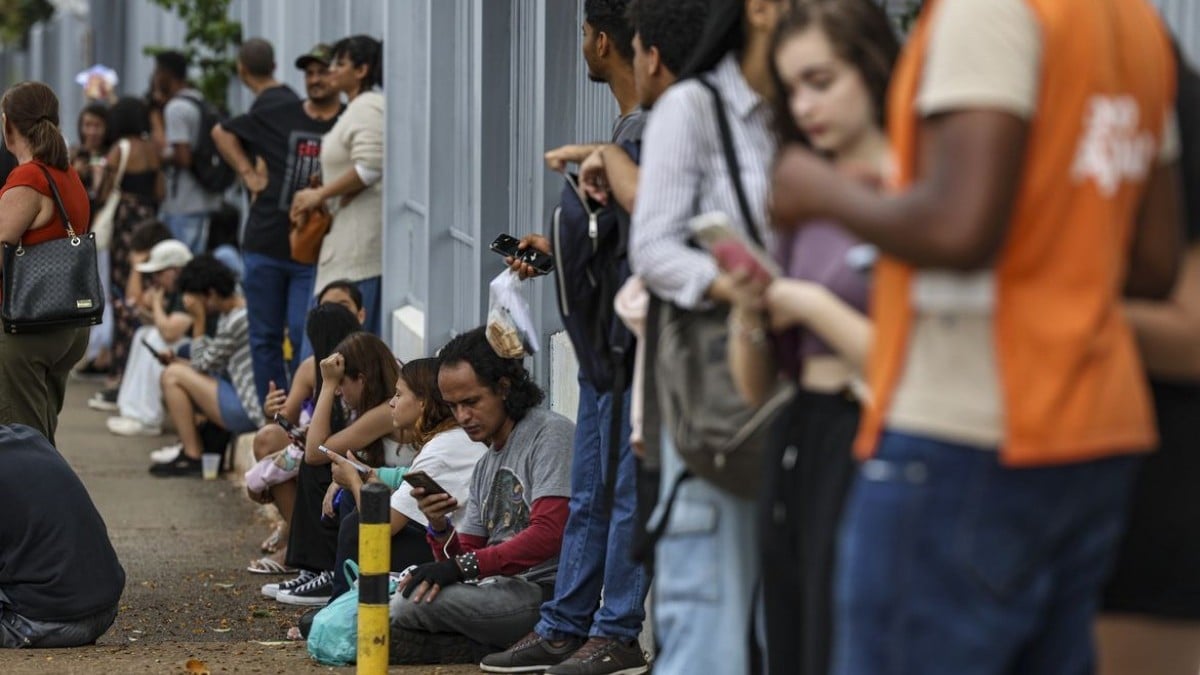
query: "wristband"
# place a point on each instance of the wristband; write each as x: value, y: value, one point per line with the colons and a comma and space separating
x: 469, y: 566
x: 437, y: 534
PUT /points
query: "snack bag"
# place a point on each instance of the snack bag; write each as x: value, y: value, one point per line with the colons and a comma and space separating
x: 510, y: 328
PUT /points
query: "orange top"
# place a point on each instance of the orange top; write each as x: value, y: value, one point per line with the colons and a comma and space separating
x: 70, y: 188
x: 1072, y: 383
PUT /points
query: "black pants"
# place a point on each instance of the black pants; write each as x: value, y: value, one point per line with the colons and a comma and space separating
x: 312, y: 540
x: 409, y: 547
x: 808, y: 470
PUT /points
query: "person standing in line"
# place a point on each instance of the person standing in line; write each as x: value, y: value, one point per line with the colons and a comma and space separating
x: 1009, y: 402
x: 351, y: 169
x: 275, y: 147
x: 188, y: 205
x: 34, y: 367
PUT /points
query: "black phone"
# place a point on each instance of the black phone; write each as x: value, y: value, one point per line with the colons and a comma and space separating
x: 157, y: 355
x: 292, y: 432
x: 420, y: 479
x: 508, y: 246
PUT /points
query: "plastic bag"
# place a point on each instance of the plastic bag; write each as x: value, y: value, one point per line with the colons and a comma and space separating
x: 276, y: 468
x: 510, y: 328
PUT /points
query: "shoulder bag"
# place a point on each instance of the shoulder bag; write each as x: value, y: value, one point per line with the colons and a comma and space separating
x: 305, y: 236
x: 52, y: 285
x: 102, y: 223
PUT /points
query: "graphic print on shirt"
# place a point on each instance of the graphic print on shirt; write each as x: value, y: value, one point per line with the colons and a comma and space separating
x: 1113, y: 149
x: 303, y: 160
x: 506, y: 512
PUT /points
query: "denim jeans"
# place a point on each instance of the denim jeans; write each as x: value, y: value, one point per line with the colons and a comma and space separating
x: 497, y: 611
x: 706, y: 569
x: 950, y: 562
x: 278, y: 295
x: 190, y: 228
x: 597, y: 543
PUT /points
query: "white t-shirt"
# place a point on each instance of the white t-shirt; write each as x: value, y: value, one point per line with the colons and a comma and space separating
x: 449, y: 458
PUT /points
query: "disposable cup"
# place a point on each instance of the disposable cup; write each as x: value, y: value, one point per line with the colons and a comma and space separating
x: 211, y: 465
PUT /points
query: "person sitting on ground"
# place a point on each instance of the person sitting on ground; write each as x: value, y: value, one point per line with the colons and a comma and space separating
x: 165, y: 328
x: 356, y: 382
x: 60, y: 579
x: 444, y: 453
x: 273, y: 478
x: 512, y: 530
x: 219, y: 381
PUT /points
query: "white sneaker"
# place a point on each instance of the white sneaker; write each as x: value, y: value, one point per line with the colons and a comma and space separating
x: 127, y: 426
x: 166, y: 455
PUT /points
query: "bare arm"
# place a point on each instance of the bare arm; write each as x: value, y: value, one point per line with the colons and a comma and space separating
x: 792, y: 302
x: 302, y: 388
x: 20, y: 209
x: 754, y: 371
x: 1154, y: 257
x: 180, y: 156
x: 1168, y: 332
x: 610, y: 170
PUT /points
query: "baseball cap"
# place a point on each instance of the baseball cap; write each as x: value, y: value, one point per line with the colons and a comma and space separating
x: 166, y: 254
x: 321, y: 53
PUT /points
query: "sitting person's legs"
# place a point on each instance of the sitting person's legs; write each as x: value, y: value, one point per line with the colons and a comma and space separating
x: 409, y: 547
x: 17, y: 632
x: 139, y: 400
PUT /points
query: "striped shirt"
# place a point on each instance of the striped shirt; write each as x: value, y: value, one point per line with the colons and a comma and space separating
x: 228, y: 354
x: 684, y: 173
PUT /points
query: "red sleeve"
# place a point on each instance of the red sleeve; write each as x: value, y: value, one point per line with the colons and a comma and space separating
x: 534, y: 545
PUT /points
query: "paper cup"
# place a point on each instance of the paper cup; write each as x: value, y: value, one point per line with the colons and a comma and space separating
x: 211, y: 465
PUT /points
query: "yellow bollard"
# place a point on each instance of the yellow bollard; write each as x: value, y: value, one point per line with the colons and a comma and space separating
x: 374, y: 558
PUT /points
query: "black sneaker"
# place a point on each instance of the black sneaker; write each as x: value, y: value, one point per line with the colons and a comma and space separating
x: 181, y: 466
x: 604, y: 656
x: 531, y: 654
x: 272, y: 590
x: 417, y: 647
x: 105, y: 401
x: 314, y: 593
x: 306, y: 621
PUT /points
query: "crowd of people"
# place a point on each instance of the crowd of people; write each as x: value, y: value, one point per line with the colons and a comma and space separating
x: 872, y: 339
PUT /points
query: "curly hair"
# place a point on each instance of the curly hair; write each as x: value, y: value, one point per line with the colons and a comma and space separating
x: 506, y: 377
x: 205, y: 273
x: 421, y: 377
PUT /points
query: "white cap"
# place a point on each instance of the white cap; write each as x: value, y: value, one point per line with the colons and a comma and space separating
x: 166, y: 254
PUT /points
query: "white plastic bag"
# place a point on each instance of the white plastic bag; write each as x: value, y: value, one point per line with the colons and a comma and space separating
x: 510, y: 328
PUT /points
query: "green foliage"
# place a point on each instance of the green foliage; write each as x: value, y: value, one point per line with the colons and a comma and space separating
x: 208, y: 41
x: 18, y: 16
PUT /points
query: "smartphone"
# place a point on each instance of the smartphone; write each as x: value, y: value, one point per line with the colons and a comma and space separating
x: 420, y: 479
x: 157, y: 355
x: 731, y: 249
x: 358, y: 467
x: 292, y: 432
x: 508, y: 246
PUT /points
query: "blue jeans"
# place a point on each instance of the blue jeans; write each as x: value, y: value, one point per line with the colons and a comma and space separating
x: 278, y: 295
x: 706, y: 566
x: 190, y: 228
x: 952, y: 563
x: 596, y: 548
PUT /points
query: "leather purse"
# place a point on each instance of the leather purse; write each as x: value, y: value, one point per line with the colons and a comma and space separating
x: 305, y: 237
x: 52, y: 285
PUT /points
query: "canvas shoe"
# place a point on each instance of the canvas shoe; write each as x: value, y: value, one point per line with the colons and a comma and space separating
x: 127, y: 426
x: 105, y: 401
x: 531, y: 654
x: 604, y: 656
x: 272, y: 590
x: 182, y: 465
x: 315, y: 592
x: 166, y: 454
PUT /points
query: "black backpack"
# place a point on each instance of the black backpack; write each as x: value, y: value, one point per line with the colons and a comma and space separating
x: 590, y: 245
x: 211, y: 170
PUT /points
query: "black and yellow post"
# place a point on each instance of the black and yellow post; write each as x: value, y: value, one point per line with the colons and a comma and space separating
x: 374, y: 557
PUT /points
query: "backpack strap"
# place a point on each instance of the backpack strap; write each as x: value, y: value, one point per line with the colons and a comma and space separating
x: 731, y: 160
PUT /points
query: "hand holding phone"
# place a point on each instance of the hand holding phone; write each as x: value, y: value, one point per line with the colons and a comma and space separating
x: 293, y: 433
x: 510, y: 247
x: 158, y: 356
x: 333, y: 456
x: 420, y: 479
x: 732, y: 251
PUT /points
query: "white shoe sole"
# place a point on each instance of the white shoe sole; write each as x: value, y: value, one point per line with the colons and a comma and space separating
x: 302, y: 601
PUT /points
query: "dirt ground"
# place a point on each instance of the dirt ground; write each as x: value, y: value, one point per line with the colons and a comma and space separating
x: 184, y: 543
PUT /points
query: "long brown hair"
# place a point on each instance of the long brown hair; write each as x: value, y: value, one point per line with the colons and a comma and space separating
x: 421, y: 377
x: 366, y: 356
x: 860, y: 34
x: 31, y: 109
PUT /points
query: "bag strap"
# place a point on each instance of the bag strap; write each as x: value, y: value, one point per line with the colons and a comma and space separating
x: 62, y: 210
x: 731, y: 160
x: 645, y: 548
x: 126, y: 149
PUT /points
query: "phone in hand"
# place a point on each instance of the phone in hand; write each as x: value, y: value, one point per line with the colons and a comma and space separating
x: 420, y: 479
x: 731, y: 249
x: 509, y: 247
x: 362, y: 470
x: 158, y: 356
x: 293, y: 433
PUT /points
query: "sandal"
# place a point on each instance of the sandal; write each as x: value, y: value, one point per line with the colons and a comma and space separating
x: 265, y: 565
x: 271, y: 543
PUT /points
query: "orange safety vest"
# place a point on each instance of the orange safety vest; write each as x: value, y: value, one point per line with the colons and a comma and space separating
x: 1073, y: 386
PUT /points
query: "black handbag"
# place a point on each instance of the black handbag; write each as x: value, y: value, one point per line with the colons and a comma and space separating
x: 53, y: 285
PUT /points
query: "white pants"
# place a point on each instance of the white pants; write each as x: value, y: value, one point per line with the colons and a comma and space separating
x: 140, y: 397
x: 101, y: 336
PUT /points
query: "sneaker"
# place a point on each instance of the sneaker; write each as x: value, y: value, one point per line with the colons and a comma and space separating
x: 105, y: 401
x: 604, y: 656
x: 180, y: 466
x: 89, y: 371
x: 272, y: 590
x: 408, y: 647
x: 531, y: 654
x: 316, y: 592
x: 166, y: 454
x: 127, y: 426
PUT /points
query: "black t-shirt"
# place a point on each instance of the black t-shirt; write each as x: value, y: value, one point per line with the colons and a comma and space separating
x: 289, y: 141
x: 56, y: 561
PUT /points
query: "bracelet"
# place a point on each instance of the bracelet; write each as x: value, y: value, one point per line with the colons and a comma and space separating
x: 756, y: 335
x: 437, y: 534
x: 469, y: 565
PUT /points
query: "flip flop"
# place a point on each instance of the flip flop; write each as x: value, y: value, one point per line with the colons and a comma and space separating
x: 265, y: 565
x: 271, y: 543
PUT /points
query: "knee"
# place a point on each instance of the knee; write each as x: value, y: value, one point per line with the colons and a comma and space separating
x: 269, y: 440
x: 171, y: 374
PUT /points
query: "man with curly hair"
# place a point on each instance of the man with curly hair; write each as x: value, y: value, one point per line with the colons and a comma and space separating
x: 508, y: 541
